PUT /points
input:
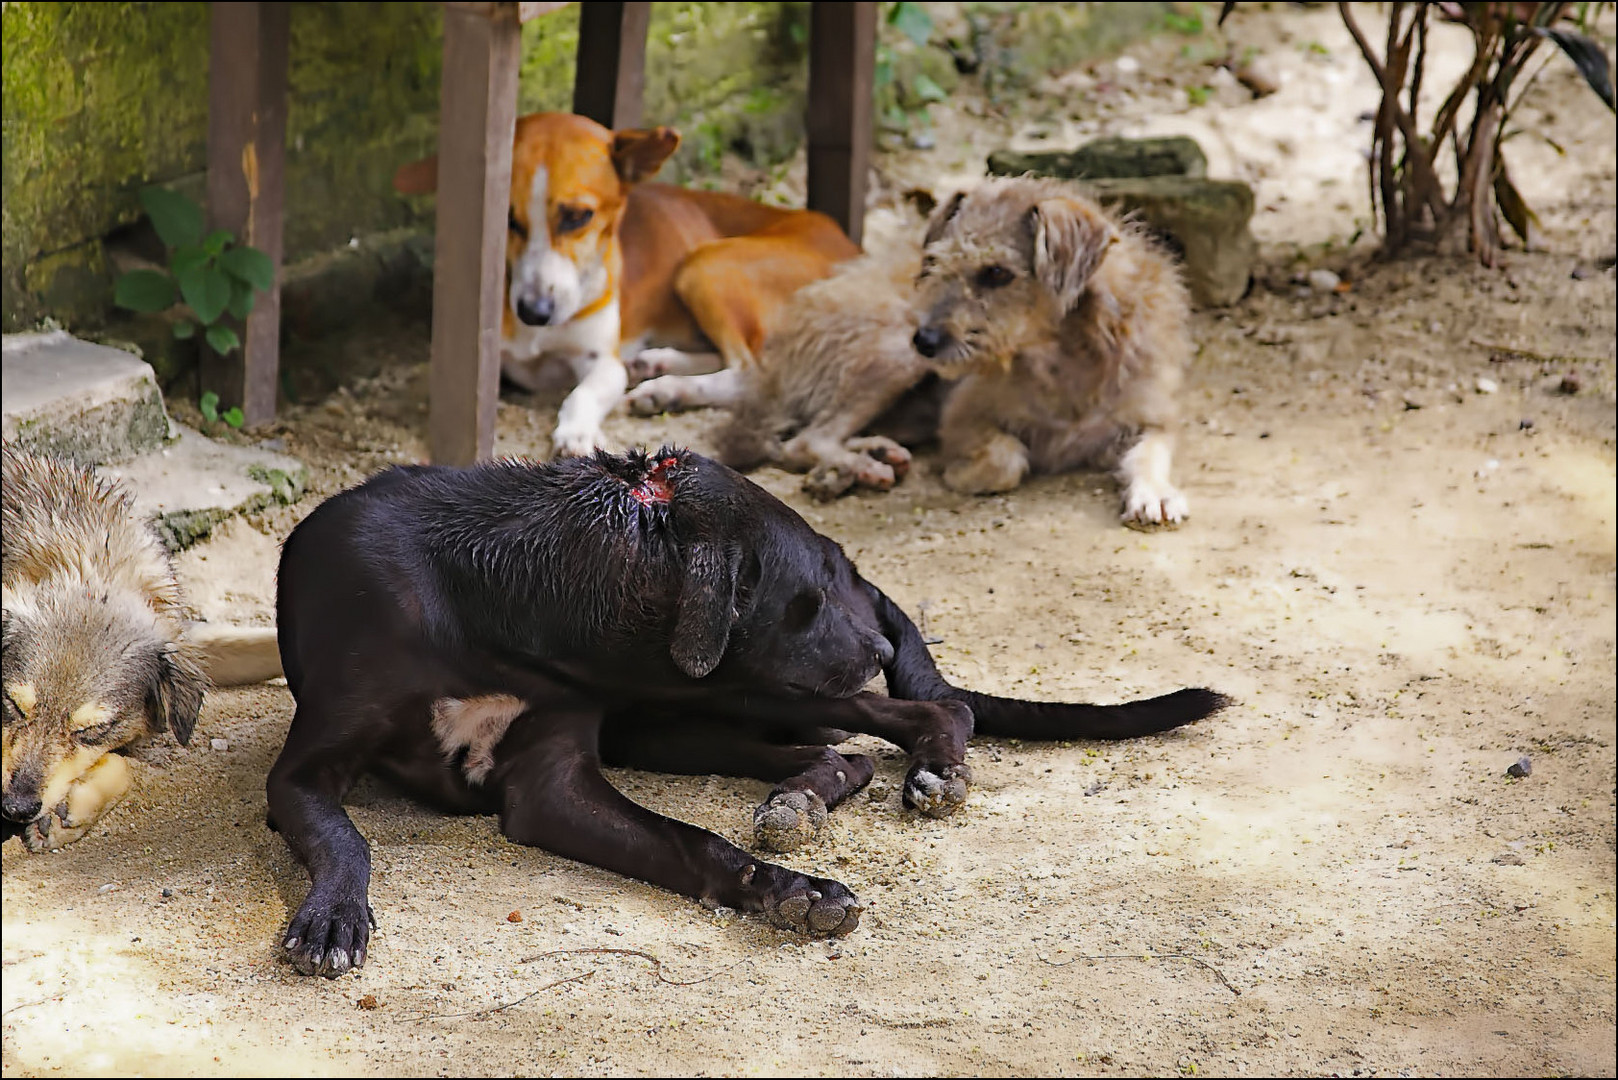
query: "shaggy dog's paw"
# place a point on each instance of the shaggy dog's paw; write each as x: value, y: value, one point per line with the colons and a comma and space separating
x: 998, y: 465
x: 330, y: 933
x: 787, y: 820
x: 828, y: 480
x: 885, y: 451
x: 1148, y: 507
x: 815, y: 906
x: 937, y: 791
x: 54, y: 831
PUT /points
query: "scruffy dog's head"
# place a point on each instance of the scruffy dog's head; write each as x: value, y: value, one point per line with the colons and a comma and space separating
x: 1001, y: 267
x: 86, y: 669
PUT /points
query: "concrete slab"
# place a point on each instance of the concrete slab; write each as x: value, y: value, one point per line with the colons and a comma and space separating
x: 194, y: 483
x: 74, y: 399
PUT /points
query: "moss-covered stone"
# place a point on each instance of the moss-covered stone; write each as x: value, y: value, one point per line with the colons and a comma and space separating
x: 1110, y: 158
x: 1204, y: 221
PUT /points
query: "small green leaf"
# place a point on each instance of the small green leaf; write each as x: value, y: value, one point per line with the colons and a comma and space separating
x: 144, y: 290
x: 177, y: 219
x: 207, y: 291
x: 223, y: 340
x: 217, y: 240
x: 1512, y: 205
x: 926, y: 89
x: 241, y: 299
x: 234, y: 417
x: 884, y: 72
x: 912, y: 21
x: 187, y: 257
x: 184, y: 329
x: 208, y: 405
x: 249, y: 264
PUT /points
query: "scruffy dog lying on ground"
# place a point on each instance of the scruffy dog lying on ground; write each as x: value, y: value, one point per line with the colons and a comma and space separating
x: 487, y: 638
x: 93, y: 655
x: 1065, y: 329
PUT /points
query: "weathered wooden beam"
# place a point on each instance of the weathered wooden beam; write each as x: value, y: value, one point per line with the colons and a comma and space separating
x: 247, y: 119
x: 609, y: 75
x: 477, y: 122
x: 842, y: 72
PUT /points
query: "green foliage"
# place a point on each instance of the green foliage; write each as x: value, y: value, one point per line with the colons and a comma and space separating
x: 208, y: 405
x: 904, y: 99
x: 213, y: 274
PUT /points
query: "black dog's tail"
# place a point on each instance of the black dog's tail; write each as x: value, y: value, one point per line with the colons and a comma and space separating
x: 913, y: 676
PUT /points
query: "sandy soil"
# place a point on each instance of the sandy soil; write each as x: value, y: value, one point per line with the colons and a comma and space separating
x: 1337, y: 876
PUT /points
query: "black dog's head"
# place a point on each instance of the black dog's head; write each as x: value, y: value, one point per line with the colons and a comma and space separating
x: 763, y: 599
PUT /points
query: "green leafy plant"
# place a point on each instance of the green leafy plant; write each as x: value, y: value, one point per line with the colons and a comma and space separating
x: 213, y: 274
x: 912, y: 21
x: 208, y: 405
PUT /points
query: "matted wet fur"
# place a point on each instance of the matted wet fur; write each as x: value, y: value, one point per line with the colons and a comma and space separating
x: 1066, y: 330
x: 94, y: 657
x: 486, y: 638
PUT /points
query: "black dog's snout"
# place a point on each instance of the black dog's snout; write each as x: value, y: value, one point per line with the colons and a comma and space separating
x: 884, y: 651
x: 536, y: 312
x: 929, y: 340
x: 19, y: 807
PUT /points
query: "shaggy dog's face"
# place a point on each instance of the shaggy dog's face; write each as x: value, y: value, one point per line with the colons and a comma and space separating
x: 1001, y: 268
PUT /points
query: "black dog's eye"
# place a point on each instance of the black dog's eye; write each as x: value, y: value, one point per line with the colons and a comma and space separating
x: 803, y: 608
x: 993, y: 277
x: 573, y: 218
x: 516, y: 226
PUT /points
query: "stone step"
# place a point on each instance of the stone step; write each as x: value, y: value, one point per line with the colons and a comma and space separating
x: 101, y: 407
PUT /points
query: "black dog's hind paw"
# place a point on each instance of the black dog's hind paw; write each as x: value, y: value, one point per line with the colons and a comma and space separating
x: 329, y: 938
x: 817, y: 907
x: 788, y: 819
x: 937, y: 792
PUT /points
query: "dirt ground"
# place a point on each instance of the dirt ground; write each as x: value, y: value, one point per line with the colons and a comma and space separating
x: 1408, y: 583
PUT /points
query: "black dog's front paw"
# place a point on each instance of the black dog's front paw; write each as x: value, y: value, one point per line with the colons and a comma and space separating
x: 329, y: 935
x: 788, y: 819
x: 816, y: 906
x: 937, y: 791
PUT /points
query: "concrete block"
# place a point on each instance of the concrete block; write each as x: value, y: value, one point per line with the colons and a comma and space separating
x: 77, y: 400
x: 194, y: 483
x: 1205, y: 221
x: 1110, y: 158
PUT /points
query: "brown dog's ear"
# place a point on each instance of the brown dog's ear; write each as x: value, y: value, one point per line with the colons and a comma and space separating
x: 1070, y: 240
x: 707, y: 608
x: 941, y: 218
x: 174, y: 697
x: 418, y: 177
x: 640, y: 152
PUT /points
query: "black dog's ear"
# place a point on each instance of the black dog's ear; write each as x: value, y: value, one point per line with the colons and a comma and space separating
x: 174, y: 697
x: 707, y: 608
x: 941, y: 218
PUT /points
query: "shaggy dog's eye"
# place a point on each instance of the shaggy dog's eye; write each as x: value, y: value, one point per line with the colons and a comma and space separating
x: 993, y: 277
x: 97, y: 733
x: 803, y: 609
x: 516, y: 226
x: 573, y: 218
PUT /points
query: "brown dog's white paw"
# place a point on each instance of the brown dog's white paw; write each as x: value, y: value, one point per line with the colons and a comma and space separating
x: 655, y: 396
x: 1150, y: 506
x: 576, y: 442
x: 788, y: 820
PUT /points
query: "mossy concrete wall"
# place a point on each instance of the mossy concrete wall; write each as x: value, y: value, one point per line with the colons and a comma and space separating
x: 101, y: 99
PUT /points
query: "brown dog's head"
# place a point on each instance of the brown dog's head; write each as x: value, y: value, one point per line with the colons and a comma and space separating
x: 1001, y: 268
x: 570, y: 181
x: 86, y: 669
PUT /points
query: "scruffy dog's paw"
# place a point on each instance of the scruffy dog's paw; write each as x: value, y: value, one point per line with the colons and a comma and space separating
x: 54, y: 831
x: 815, y: 906
x: 829, y: 480
x: 998, y: 465
x: 576, y: 442
x: 937, y: 791
x: 885, y: 451
x: 1148, y: 507
x: 330, y: 933
x: 787, y: 820
x: 655, y: 396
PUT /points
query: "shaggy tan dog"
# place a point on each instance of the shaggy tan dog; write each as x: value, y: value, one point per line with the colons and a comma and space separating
x: 1066, y: 330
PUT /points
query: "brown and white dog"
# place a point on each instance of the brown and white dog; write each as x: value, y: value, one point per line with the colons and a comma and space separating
x: 602, y: 269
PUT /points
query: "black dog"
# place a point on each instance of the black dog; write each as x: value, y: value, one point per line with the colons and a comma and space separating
x: 485, y: 638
